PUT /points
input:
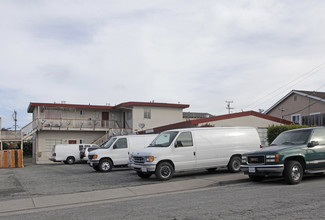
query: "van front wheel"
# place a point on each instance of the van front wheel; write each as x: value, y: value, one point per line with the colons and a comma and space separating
x: 234, y: 164
x: 164, y: 171
x: 105, y: 165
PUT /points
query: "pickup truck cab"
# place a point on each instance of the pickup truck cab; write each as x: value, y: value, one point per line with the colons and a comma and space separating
x: 291, y: 155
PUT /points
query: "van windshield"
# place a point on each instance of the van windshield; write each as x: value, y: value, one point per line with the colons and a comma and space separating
x: 164, y: 139
x: 292, y: 138
x: 109, y: 143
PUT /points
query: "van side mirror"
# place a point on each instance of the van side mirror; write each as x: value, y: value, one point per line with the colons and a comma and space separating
x: 312, y: 144
x: 178, y: 144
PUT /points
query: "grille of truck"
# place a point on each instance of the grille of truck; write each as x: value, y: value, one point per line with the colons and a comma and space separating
x: 255, y: 159
x: 138, y: 159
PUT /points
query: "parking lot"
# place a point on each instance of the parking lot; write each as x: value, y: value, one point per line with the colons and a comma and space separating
x: 54, y: 179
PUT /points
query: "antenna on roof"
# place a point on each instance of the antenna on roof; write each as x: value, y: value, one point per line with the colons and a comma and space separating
x: 228, y: 106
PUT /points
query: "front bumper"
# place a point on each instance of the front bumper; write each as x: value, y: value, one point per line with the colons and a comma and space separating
x: 93, y: 163
x: 145, y: 168
x: 262, y: 169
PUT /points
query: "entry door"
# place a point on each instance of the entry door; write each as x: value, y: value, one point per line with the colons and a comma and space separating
x: 184, y: 154
x: 120, y: 153
x: 105, y: 119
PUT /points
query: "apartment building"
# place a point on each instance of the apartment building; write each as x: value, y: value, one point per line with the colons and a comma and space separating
x: 62, y: 123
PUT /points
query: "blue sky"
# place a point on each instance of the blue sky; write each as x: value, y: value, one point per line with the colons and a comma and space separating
x: 200, y: 53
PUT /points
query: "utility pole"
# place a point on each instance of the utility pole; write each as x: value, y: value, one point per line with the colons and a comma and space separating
x: 228, y: 106
x: 14, y: 116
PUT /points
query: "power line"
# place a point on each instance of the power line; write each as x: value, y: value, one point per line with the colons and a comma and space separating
x: 298, y: 79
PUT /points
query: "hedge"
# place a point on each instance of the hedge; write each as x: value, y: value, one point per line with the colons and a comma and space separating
x: 274, y: 130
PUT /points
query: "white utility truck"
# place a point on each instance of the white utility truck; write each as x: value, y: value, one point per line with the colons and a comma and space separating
x: 69, y: 153
x: 117, y: 150
x: 194, y: 148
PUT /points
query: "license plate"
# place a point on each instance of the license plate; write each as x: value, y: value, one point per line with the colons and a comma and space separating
x: 91, y: 164
x: 251, y: 169
x: 144, y: 169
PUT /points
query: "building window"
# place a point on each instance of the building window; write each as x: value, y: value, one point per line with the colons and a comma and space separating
x: 50, y: 143
x: 147, y: 113
x: 296, y: 118
x: 295, y: 98
x: 82, y: 112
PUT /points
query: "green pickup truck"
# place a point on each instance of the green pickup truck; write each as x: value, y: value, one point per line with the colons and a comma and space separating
x: 291, y: 155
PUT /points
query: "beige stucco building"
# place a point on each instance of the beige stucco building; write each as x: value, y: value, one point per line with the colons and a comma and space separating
x: 301, y: 107
x: 61, y: 123
x: 242, y: 119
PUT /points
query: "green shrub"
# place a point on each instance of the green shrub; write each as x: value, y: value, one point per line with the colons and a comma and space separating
x: 274, y: 130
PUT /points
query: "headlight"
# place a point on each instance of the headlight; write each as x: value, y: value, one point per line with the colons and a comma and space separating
x: 95, y: 156
x: 131, y: 159
x: 243, y: 159
x: 272, y: 158
x: 149, y: 159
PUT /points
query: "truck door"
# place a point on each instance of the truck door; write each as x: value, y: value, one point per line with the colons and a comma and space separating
x: 315, y: 157
x: 120, y: 152
x: 183, y: 152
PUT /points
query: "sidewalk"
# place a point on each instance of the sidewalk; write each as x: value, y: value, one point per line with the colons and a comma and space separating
x: 118, y: 193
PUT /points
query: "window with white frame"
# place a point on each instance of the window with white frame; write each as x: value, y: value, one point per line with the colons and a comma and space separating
x: 296, y: 118
x: 147, y: 113
x: 82, y: 112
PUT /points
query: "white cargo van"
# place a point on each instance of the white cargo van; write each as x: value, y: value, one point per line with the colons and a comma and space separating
x: 194, y: 148
x: 116, y: 151
x: 68, y: 153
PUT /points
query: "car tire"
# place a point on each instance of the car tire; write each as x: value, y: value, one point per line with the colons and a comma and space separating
x: 105, y: 165
x: 255, y: 178
x: 234, y: 164
x: 70, y: 160
x: 164, y: 171
x: 293, y: 172
x: 144, y: 175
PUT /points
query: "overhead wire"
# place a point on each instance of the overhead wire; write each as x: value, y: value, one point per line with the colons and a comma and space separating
x: 286, y: 86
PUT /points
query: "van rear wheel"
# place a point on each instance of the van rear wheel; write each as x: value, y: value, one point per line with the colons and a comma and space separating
x: 70, y: 160
x: 234, y: 164
x: 164, y: 171
x: 105, y: 165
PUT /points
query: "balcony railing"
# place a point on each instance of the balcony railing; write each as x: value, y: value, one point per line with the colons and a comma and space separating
x: 59, y: 124
x: 10, y: 135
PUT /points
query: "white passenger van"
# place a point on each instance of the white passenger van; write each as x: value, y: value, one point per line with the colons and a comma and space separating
x: 69, y: 153
x: 117, y: 150
x: 194, y: 148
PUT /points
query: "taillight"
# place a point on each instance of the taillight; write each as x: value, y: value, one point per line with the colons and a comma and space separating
x: 261, y: 146
x: 54, y: 154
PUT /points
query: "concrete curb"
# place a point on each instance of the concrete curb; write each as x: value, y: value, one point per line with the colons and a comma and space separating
x: 118, y: 193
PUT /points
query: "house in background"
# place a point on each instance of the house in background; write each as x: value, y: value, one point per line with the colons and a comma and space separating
x: 242, y: 119
x: 301, y: 107
x: 61, y: 123
x: 195, y: 115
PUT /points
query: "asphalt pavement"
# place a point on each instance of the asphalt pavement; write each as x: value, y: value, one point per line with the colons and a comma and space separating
x: 29, y: 188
